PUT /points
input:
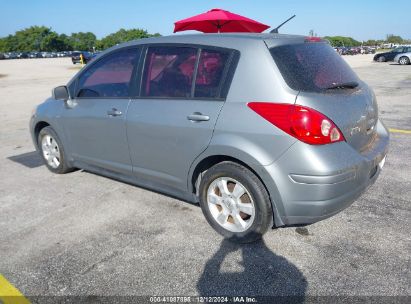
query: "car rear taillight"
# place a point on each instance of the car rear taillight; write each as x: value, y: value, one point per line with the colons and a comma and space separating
x: 305, y: 124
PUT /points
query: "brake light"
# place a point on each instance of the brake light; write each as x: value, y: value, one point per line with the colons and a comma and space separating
x: 313, y: 39
x: 305, y: 124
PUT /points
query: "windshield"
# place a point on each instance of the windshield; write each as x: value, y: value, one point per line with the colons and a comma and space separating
x: 312, y: 67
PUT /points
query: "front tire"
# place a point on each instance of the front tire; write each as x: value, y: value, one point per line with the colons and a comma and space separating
x: 235, y: 202
x: 381, y: 59
x: 404, y: 60
x: 52, y: 151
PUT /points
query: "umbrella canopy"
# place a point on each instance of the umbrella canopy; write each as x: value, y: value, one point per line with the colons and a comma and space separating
x: 219, y: 21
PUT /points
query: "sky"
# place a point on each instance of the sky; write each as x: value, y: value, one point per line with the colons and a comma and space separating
x: 361, y: 19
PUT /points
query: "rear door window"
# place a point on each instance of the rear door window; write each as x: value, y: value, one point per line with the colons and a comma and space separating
x: 110, y: 76
x: 210, y: 72
x: 312, y: 67
x: 168, y: 72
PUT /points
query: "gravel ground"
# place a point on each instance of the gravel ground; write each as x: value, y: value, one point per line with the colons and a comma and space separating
x: 83, y: 234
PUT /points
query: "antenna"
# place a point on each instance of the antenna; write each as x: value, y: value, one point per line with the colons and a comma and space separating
x: 275, y: 31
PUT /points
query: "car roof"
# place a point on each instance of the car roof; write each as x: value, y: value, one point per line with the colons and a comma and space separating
x: 216, y: 39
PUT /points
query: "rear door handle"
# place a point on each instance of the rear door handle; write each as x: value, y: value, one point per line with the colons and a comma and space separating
x: 114, y: 112
x: 198, y: 117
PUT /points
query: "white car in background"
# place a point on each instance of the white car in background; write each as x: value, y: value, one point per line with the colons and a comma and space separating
x: 403, y: 59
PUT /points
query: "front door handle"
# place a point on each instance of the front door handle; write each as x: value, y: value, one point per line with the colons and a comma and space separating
x: 196, y: 116
x: 114, y: 112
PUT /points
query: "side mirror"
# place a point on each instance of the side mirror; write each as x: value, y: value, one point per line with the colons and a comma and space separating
x: 60, y: 93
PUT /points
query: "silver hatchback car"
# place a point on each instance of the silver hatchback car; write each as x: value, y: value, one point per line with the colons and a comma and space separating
x: 263, y: 130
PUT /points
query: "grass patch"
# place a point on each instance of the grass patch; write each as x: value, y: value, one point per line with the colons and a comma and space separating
x: 3, y: 75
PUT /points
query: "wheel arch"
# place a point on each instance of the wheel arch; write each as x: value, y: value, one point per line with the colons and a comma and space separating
x: 408, y: 58
x: 211, y: 160
x: 37, y: 128
x: 203, y: 164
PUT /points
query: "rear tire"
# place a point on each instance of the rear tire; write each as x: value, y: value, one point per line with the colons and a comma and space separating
x: 52, y: 151
x: 404, y: 60
x: 381, y: 59
x: 235, y: 202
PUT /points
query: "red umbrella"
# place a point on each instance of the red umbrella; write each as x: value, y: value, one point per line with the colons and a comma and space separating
x: 218, y: 20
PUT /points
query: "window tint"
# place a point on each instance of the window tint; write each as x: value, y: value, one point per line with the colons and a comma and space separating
x: 110, y: 76
x: 168, y: 71
x: 398, y: 50
x: 312, y: 66
x: 210, y: 73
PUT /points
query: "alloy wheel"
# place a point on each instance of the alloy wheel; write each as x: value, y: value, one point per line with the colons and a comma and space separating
x: 51, y: 151
x: 403, y: 60
x: 230, y: 204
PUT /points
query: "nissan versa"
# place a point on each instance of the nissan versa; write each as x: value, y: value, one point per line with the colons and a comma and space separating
x: 263, y: 130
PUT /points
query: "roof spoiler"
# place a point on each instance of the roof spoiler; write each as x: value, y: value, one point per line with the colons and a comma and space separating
x: 275, y: 31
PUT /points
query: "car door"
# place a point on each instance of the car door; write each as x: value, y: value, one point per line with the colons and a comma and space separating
x: 95, y: 118
x: 173, y: 120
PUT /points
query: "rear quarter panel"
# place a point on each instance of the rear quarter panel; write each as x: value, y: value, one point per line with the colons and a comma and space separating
x: 239, y: 130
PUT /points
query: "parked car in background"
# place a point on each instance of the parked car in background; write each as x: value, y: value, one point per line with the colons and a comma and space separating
x: 403, y: 58
x: 368, y: 50
x: 2, y: 56
x: 35, y: 55
x: 389, y: 56
x: 350, y: 51
x: 10, y: 55
x: 263, y: 130
x: 75, y: 57
x: 23, y: 55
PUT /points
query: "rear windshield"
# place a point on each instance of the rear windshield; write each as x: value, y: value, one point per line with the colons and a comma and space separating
x: 312, y: 67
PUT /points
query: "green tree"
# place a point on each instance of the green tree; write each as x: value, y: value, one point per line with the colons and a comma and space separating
x: 123, y: 35
x: 41, y: 38
x: 9, y: 43
x: 338, y: 41
x: 394, y: 39
x: 35, y: 38
x: 371, y: 42
x: 67, y: 42
x: 29, y: 39
x: 54, y: 42
x: 3, y: 45
x: 83, y: 41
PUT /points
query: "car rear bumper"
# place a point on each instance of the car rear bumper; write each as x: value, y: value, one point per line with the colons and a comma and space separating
x: 311, y: 183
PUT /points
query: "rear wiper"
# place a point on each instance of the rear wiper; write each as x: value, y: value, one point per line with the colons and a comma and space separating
x: 345, y: 85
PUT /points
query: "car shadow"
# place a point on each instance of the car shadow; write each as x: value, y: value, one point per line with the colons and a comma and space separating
x: 264, y: 274
x: 30, y: 159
